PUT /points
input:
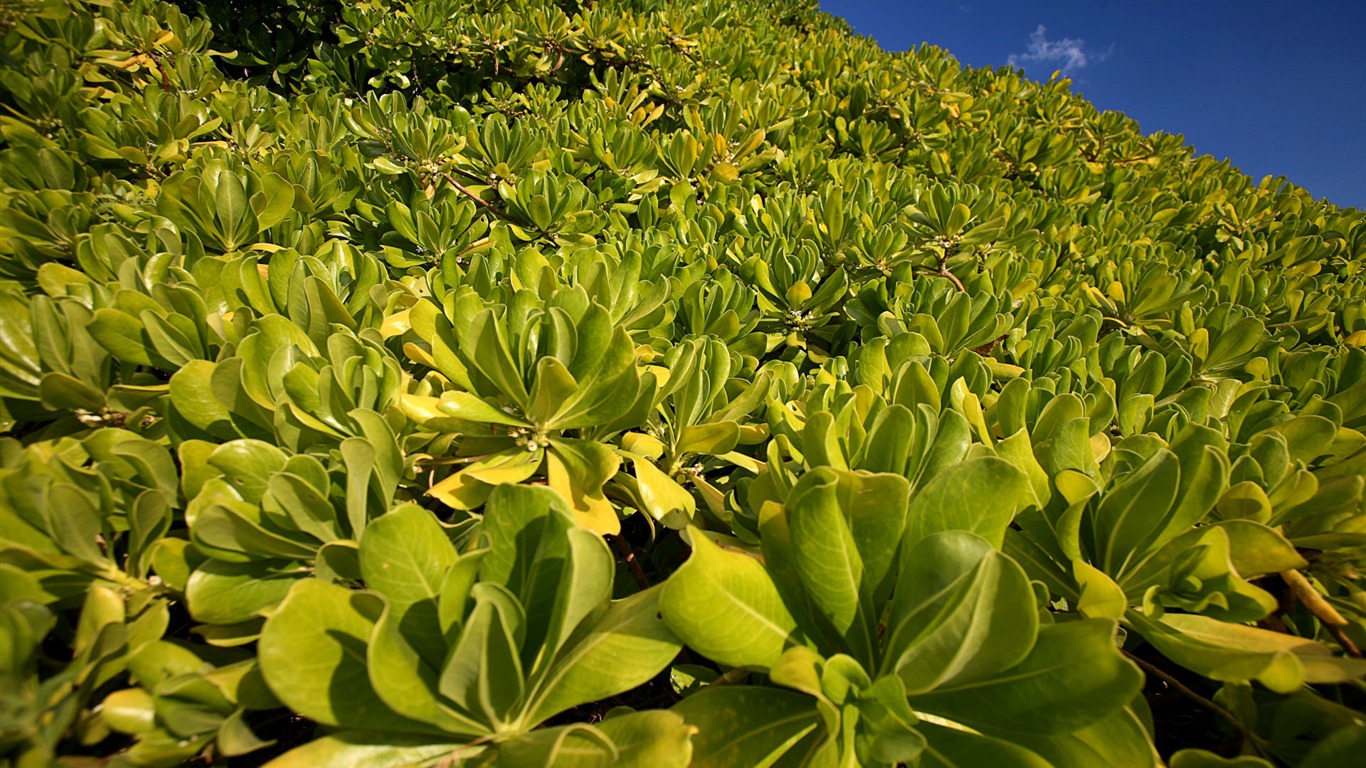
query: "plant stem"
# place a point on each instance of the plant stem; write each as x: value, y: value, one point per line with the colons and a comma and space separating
x: 628, y: 556
x: 1321, y: 608
x: 730, y: 677
x: 462, y: 189
x: 1184, y: 690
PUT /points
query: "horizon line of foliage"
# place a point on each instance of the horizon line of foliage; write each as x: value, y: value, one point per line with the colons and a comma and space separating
x: 650, y: 384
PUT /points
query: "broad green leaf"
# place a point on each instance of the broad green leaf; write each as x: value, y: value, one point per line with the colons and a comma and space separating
x: 1101, y: 597
x: 953, y: 748
x: 121, y: 334
x: 724, y: 606
x: 229, y: 593
x: 1074, y: 676
x: 62, y: 392
x: 273, y: 202
x: 247, y: 466
x: 529, y: 553
x: 1257, y: 550
x: 193, y: 398
x: 577, y: 470
x: 627, y: 646
x: 463, y: 405
x: 663, y: 498
x: 584, y: 586
x: 226, y: 531
x: 407, y: 683
x: 962, y: 612
x: 980, y: 496
x: 650, y: 739
x: 376, y: 749
x: 1132, y: 510
x: 312, y: 654
x: 1230, y: 652
x: 1342, y: 747
x: 1199, y: 758
x: 747, y: 726
x: 1119, y: 739
x: 405, y: 555
x: 827, y: 561
x: 714, y: 439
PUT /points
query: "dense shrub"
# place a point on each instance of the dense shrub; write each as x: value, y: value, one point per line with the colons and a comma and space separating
x: 637, y: 383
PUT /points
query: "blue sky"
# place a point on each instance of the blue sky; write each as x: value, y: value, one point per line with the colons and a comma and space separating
x: 1277, y: 88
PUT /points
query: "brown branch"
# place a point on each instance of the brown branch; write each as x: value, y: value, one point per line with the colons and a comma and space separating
x: 1184, y: 690
x: 628, y: 556
x: 730, y: 677
x: 1321, y: 608
x: 462, y: 189
x: 943, y: 272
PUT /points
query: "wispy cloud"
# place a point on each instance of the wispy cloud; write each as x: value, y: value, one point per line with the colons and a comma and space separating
x: 1070, y: 53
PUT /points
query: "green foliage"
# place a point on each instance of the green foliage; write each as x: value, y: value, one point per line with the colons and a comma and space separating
x: 532, y: 382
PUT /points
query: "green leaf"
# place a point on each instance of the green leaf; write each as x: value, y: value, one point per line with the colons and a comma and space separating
x: 372, y: 750
x: 1074, y: 676
x: 230, y: 198
x: 1229, y: 652
x: 1101, y: 597
x: 273, y: 202
x: 230, y: 593
x: 577, y: 470
x: 1119, y: 739
x: 746, y: 726
x: 61, y: 392
x: 953, y: 748
x: 712, y: 439
x: 980, y: 495
x: 724, y: 606
x: 650, y: 739
x: 1257, y: 550
x: 529, y: 553
x: 407, y: 682
x: 625, y: 648
x: 405, y: 554
x: 584, y: 586
x: 463, y: 405
x: 313, y: 655
x: 121, y: 334
x: 662, y: 498
x: 193, y: 398
x: 829, y: 564
x: 1199, y: 758
x: 962, y: 612
x: 1133, y: 509
x: 1342, y: 747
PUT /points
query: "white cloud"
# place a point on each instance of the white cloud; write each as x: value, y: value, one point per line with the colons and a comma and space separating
x: 1070, y: 53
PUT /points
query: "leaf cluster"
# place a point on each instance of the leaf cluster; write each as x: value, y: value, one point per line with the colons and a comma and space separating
x: 519, y: 382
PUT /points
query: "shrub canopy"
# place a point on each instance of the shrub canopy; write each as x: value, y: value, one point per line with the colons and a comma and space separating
x: 638, y: 383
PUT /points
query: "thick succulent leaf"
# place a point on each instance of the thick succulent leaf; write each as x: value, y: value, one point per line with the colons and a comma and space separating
x: 647, y: 739
x: 962, y: 612
x: 1230, y: 652
x: 312, y: 654
x: 530, y: 553
x: 627, y: 645
x: 744, y: 726
x: 954, y: 748
x: 724, y: 606
x: 1073, y: 677
x: 229, y: 593
x: 1119, y: 739
x: 577, y: 470
x: 981, y: 496
x: 375, y: 748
